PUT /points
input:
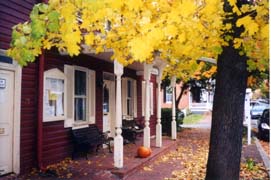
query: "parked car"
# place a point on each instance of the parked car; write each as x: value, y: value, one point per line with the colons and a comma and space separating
x: 264, y: 127
x: 257, y: 110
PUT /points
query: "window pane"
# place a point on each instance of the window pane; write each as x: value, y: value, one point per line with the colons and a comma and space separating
x: 168, y: 97
x: 54, y: 97
x: 129, y: 88
x: 106, y: 100
x: 129, y: 107
x: 168, y: 94
x: 80, y: 109
x: 80, y: 82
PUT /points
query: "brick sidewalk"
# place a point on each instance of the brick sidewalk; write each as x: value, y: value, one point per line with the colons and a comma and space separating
x: 185, y: 158
x: 162, y: 169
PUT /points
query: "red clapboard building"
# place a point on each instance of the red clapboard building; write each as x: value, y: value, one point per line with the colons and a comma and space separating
x: 42, y: 102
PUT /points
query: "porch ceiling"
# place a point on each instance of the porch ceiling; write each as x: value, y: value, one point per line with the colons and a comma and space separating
x: 106, y: 57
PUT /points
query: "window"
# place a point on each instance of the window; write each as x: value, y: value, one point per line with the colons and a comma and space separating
x: 168, y: 94
x: 129, y: 101
x: 106, y: 100
x: 129, y: 98
x: 151, y: 107
x: 80, y: 96
x: 53, y: 99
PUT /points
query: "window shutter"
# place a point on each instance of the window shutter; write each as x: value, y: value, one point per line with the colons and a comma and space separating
x: 69, y: 95
x: 91, y: 96
x: 143, y: 97
x: 135, y: 98
x: 151, y: 100
x: 124, y: 97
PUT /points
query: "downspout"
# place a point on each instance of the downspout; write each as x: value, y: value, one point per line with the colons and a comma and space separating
x: 40, y: 111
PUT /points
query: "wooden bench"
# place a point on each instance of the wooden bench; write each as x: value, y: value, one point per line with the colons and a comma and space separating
x: 130, y: 130
x: 90, y: 137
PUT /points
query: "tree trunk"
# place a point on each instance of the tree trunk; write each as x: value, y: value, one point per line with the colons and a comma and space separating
x: 183, y: 88
x: 227, y: 118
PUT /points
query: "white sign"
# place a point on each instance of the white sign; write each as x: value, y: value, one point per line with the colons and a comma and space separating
x: 2, y: 83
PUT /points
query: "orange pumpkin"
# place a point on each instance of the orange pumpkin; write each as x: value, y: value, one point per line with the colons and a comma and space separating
x: 143, y: 152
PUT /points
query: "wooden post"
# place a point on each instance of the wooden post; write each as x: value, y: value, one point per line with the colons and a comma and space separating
x: 147, y: 134
x: 118, y: 140
x: 173, y: 122
x: 158, y: 125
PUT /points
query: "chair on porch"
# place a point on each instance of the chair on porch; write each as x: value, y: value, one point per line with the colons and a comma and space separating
x: 131, y: 130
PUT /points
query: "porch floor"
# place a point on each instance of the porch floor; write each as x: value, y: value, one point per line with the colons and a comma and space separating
x: 132, y: 163
x: 101, y: 165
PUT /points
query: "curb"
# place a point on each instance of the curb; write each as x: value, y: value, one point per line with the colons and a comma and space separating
x: 263, y: 154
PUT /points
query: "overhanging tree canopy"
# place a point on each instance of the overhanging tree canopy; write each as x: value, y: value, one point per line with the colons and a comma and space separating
x: 134, y: 30
x: 178, y: 31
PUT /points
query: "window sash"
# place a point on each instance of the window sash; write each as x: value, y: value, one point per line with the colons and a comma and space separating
x: 80, y: 109
x: 80, y: 97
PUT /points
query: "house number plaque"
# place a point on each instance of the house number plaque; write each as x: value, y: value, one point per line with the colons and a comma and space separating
x: 2, y: 83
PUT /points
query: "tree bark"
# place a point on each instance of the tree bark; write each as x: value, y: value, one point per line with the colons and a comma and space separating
x: 183, y: 88
x: 227, y: 117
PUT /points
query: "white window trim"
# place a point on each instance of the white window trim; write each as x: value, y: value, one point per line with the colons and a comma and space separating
x: 55, y: 74
x: 70, y: 122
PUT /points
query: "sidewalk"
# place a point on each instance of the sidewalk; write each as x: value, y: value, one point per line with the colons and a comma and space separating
x: 184, y: 158
x: 189, y: 159
x: 204, y: 123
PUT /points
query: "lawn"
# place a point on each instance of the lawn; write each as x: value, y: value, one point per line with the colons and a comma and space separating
x: 192, y: 118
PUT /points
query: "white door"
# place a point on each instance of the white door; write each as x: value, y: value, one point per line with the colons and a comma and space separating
x: 109, y: 107
x: 6, y: 120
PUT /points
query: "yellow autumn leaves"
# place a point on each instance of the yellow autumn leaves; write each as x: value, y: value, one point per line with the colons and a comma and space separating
x: 181, y: 31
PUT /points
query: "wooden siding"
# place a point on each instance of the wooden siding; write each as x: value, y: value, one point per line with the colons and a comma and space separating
x: 13, y: 12
x: 56, y: 142
x: 29, y: 118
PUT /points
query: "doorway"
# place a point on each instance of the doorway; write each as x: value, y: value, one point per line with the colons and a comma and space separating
x: 6, y: 120
x: 10, y: 118
x: 109, y: 106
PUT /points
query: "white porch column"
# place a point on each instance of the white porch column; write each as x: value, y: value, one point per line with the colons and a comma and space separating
x: 118, y: 140
x: 173, y: 123
x: 158, y: 125
x: 147, y: 134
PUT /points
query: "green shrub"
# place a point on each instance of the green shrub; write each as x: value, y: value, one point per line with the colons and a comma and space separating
x: 167, y: 118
